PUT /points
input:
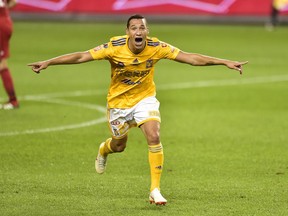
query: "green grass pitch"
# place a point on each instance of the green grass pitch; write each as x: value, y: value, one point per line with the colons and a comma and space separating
x: 224, y: 135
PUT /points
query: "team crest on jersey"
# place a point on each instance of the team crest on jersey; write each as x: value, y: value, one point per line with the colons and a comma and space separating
x: 149, y: 63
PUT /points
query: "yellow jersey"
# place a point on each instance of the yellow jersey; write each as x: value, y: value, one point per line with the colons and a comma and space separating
x: 280, y: 4
x: 132, y: 75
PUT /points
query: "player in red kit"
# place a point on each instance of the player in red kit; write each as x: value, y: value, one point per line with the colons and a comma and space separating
x: 6, y: 28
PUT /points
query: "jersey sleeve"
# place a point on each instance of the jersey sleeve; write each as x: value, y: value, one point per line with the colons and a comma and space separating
x: 167, y: 51
x: 102, y: 51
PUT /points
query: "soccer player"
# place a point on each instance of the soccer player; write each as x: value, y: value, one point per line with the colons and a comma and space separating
x: 5, y: 35
x: 131, y: 99
x: 276, y: 7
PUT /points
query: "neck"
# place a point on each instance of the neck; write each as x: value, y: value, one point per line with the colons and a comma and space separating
x: 133, y: 49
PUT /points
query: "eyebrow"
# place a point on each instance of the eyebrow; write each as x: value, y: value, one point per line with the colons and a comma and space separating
x: 142, y: 25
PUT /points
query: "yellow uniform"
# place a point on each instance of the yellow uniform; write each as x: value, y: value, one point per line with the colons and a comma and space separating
x: 132, y: 74
x: 280, y: 4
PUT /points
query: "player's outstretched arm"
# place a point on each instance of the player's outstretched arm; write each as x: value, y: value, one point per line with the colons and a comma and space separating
x: 202, y: 60
x: 11, y: 3
x: 72, y: 58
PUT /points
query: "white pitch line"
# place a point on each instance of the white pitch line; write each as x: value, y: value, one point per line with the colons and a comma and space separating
x: 228, y: 82
x: 63, y: 94
x: 55, y: 129
x: 61, y: 128
x: 101, y: 109
x: 170, y: 86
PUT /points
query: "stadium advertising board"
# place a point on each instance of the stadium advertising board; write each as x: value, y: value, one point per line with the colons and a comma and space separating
x: 177, y: 7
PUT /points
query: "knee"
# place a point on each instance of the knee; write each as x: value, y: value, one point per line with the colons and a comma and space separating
x: 3, y: 65
x: 119, y: 147
x: 153, y: 138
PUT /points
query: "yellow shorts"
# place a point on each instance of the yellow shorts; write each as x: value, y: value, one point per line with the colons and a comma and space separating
x: 121, y: 120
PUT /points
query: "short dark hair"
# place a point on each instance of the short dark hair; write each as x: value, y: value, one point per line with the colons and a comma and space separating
x: 135, y: 16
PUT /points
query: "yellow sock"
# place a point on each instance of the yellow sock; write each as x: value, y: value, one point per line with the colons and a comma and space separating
x: 106, y: 148
x: 156, y: 160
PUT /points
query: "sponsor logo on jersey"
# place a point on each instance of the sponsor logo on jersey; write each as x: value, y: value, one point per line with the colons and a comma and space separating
x: 130, y: 82
x: 120, y: 72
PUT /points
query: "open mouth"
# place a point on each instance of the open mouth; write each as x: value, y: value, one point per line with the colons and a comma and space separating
x: 138, y: 40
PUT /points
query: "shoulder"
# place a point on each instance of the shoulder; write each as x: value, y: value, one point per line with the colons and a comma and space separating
x: 153, y: 41
x: 118, y: 40
x: 161, y: 48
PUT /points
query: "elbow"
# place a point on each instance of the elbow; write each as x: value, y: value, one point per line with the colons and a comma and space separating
x: 80, y: 58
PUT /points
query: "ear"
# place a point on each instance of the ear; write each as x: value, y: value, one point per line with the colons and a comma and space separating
x: 127, y: 31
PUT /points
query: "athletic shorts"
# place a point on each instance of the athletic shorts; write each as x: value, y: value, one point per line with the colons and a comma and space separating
x: 5, y: 35
x: 121, y: 120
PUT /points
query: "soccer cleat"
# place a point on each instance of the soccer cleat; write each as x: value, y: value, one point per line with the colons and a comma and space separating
x: 157, y: 198
x: 100, y: 163
x: 9, y: 105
